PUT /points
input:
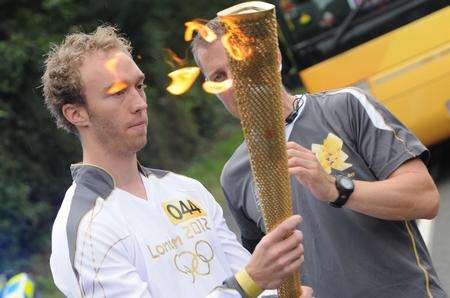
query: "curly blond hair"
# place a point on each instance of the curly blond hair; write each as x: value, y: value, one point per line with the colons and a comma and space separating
x: 62, y: 79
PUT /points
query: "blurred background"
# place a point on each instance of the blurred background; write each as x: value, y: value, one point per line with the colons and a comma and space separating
x: 397, y: 50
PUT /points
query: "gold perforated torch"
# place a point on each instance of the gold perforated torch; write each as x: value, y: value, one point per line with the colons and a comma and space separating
x: 251, y: 42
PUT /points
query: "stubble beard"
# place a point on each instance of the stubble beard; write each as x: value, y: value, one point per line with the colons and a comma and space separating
x: 108, y: 134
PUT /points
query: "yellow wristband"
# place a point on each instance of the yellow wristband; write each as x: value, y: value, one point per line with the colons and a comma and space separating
x: 247, y: 283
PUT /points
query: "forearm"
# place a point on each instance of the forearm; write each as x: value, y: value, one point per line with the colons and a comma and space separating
x: 243, y: 284
x: 407, y: 196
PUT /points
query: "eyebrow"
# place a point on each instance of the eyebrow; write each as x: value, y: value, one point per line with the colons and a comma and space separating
x: 120, y: 85
x: 141, y: 77
x: 116, y: 87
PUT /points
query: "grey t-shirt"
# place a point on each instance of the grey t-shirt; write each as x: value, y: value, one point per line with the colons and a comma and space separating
x: 347, y: 254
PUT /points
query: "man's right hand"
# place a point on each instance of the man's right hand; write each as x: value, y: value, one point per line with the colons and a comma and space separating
x: 278, y: 255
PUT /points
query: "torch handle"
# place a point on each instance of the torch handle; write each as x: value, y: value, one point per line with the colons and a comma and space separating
x: 291, y: 287
x: 251, y: 41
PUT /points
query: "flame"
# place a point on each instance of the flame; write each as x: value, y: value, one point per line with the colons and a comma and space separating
x: 111, y: 66
x: 173, y: 57
x: 117, y: 87
x: 182, y: 79
x: 235, y: 42
x: 217, y: 87
x: 236, y: 51
x: 202, y: 29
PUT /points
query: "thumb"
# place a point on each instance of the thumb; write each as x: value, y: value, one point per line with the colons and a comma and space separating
x: 285, y: 228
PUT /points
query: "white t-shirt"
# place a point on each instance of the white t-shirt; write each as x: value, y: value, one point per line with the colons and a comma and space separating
x: 175, y: 244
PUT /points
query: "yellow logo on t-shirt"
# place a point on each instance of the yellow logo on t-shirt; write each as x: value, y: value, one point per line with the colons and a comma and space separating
x: 330, y: 154
x: 182, y: 210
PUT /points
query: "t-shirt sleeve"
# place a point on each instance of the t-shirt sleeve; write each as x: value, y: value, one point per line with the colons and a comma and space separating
x: 103, y: 260
x: 380, y: 138
x: 237, y: 256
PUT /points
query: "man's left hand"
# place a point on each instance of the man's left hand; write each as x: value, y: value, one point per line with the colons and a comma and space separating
x: 303, y: 164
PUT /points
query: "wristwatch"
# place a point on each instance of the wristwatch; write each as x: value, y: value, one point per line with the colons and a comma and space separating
x: 345, y: 187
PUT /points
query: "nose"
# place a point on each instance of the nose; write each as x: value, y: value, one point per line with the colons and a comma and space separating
x: 138, y: 100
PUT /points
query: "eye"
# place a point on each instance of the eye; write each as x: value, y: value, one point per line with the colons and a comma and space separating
x: 117, y: 89
x: 219, y: 76
x: 141, y: 86
x: 120, y: 92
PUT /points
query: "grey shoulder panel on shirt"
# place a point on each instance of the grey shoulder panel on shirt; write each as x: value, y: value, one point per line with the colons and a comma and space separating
x: 91, y: 183
x: 148, y: 172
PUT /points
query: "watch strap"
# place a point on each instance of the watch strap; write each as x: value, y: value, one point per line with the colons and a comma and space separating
x: 344, y: 194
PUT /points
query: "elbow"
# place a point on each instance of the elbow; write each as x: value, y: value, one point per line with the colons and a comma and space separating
x: 425, y: 202
x: 432, y: 205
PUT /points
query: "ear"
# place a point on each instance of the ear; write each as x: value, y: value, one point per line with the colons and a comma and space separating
x: 76, y: 114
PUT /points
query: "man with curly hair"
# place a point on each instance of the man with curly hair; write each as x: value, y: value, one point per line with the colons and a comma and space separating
x: 124, y: 230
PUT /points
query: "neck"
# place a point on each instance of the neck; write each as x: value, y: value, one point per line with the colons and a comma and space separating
x: 288, y: 101
x: 123, y: 167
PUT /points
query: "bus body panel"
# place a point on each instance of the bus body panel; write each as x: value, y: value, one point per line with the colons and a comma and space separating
x: 408, y: 69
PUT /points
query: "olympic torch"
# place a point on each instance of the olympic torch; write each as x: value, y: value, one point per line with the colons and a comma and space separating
x: 252, y: 45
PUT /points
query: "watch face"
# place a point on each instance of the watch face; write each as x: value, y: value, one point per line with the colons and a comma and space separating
x: 346, y: 183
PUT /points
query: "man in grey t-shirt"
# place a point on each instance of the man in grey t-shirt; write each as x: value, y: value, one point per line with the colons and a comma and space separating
x: 345, y: 150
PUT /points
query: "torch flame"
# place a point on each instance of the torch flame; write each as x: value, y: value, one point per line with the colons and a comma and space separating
x: 182, y: 79
x: 171, y: 57
x: 236, y: 51
x: 117, y: 87
x: 235, y: 42
x: 111, y: 66
x: 217, y: 87
x: 202, y: 29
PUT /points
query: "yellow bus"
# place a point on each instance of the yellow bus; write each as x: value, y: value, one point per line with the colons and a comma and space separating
x: 397, y: 50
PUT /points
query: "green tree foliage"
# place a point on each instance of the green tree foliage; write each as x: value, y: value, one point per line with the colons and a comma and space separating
x: 34, y: 155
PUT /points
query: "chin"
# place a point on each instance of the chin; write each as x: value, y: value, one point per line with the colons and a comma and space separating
x: 140, y: 144
x: 135, y: 144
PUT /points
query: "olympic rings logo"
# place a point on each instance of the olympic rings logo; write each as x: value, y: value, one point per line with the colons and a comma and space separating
x: 197, y: 262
